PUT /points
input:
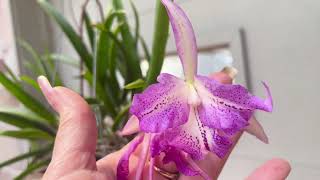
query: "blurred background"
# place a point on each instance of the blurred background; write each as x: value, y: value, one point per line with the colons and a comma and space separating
x: 273, y: 41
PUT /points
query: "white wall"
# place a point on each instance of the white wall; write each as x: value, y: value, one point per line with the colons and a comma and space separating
x: 9, y: 147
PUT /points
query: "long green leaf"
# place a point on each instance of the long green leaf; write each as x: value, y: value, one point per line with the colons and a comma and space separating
x: 26, y: 155
x: 27, y: 100
x: 8, y: 70
x: 103, y: 47
x: 137, y: 22
x: 32, y: 69
x: 53, y: 70
x: 139, y: 83
x: 90, y: 30
x: 109, y: 105
x: 119, y: 117
x: 32, y: 168
x: 129, y: 44
x: 145, y: 49
x: 39, y: 64
x: 64, y: 59
x: 73, y: 37
x: 23, y: 121
x: 31, y: 134
x: 160, y: 37
x: 28, y: 80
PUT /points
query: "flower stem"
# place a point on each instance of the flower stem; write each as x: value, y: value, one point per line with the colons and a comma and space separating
x: 160, y: 37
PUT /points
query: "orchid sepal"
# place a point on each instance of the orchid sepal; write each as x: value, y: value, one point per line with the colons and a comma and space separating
x: 184, y: 38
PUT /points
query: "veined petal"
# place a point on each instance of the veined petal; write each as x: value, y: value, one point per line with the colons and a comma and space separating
x: 256, y: 130
x: 171, y: 155
x: 143, y: 156
x: 184, y: 38
x: 227, y: 107
x: 194, y: 138
x: 163, y: 105
x: 123, y: 164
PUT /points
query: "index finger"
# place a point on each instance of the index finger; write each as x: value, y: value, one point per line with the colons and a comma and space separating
x: 75, y: 142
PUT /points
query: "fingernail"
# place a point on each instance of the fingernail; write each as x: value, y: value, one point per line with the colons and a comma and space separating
x: 45, y: 86
x: 47, y: 90
x: 230, y: 71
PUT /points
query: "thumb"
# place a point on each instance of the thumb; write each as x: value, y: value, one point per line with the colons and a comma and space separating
x: 275, y: 169
x: 75, y: 142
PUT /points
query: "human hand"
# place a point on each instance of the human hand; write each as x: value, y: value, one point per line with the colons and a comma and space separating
x: 74, y: 150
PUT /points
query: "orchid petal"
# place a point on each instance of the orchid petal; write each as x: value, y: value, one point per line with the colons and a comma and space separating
x: 194, y: 138
x: 163, y: 105
x: 143, y: 156
x: 131, y: 127
x: 123, y: 164
x: 228, y: 107
x: 256, y: 130
x: 197, y: 168
x: 172, y: 154
x: 151, y: 168
x: 184, y: 38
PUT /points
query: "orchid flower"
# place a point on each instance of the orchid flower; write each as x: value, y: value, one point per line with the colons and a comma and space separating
x: 187, y: 118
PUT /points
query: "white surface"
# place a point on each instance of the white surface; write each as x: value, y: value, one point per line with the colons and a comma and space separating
x: 9, y: 147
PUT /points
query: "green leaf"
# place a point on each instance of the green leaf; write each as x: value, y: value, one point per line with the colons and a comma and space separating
x: 73, y: 37
x: 27, y: 133
x: 26, y: 155
x: 160, y: 37
x: 31, y: 67
x: 103, y: 47
x: 23, y: 121
x: 90, y: 30
x: 64, y: 59
x: 28, y: 80
x: 136, y: 19
x: 129, y: 44
x: 32, y: 168
x: 39, y: 64
x: 107, y: 102
x: 145, y: 49
x: 120, y: 116
x: 102, y: 55
x: 8, y: 70
x: 53, y: 70
x: 139, y: 83
x: 27, y: 100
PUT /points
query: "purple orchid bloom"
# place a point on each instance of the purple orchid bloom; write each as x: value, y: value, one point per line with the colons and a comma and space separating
x: 187, y: 118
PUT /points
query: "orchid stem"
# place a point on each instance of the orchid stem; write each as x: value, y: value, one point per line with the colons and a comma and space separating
x: 160, y: 37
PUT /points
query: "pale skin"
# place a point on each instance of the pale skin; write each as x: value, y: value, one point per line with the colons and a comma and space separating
x: 74, y: 149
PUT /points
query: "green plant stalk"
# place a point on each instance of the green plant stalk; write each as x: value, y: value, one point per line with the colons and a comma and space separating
x: 70, y: 33
x: 26, y: 155
x: 32, y: 168
x: 129, y: 43
x: 22, y: 121
x: 26, y: 99
x: 160, y: 37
